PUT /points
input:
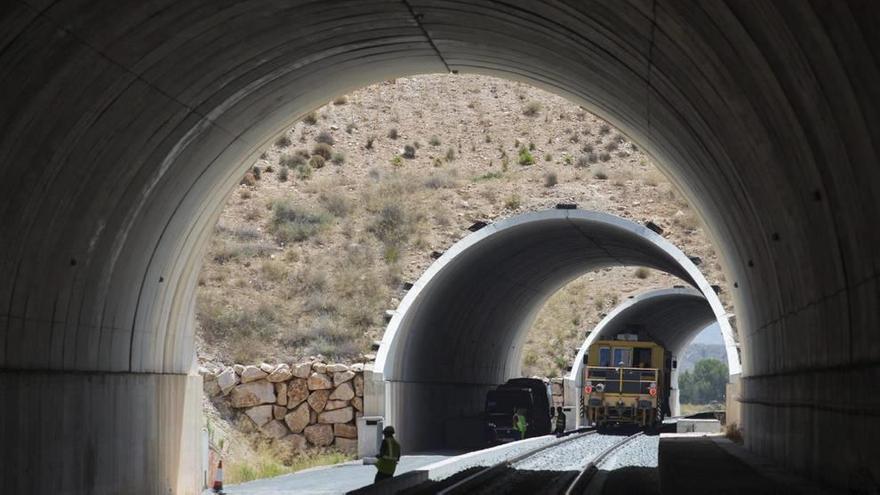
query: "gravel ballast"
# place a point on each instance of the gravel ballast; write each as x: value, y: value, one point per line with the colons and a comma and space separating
x: 570, y: 456
x: 641, y: 452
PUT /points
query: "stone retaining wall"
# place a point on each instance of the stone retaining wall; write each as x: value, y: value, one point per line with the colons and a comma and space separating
x: 310, y: 403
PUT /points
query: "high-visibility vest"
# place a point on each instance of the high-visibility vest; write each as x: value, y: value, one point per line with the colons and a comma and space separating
x: 520, y: 422
x: 389, y: 454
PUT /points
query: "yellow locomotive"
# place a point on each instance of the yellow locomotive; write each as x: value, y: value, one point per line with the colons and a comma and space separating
x: 626, y: 381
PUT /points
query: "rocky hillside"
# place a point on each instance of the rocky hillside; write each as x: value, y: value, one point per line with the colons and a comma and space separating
x: 349, y: 204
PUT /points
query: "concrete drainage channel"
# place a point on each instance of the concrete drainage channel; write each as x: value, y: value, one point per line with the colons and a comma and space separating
x: 539, y: 465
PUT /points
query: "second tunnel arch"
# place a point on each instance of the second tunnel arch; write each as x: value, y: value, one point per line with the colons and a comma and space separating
x: 461, y: 327
x: 672, y: 316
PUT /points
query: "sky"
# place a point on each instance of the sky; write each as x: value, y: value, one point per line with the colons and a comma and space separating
x: 709, y: 335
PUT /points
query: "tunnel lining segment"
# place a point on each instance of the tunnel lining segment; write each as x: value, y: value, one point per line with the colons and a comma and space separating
x: 634, y: 306
x: 677, y: 315
x: 389, y: 357
x: 461, y: 327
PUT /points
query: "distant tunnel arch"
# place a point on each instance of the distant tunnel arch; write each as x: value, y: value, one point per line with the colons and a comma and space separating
x: 461, y: 327
x: 672, y: 317
x: 124, y: 126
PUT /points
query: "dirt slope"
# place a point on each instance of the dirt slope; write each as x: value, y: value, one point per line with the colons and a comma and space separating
x: 307, y: 256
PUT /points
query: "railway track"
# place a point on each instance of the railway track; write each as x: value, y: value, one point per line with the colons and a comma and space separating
x: 580, y: 484
x: 524, y: 473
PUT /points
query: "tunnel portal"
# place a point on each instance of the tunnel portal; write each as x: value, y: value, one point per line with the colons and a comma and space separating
x: 124, y: 126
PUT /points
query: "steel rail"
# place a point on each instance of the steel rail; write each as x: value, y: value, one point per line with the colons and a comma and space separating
x: 579, y: 484
x: 487, y: 473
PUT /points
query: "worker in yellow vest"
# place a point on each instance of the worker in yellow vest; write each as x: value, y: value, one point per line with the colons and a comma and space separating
x: 389, y: 454
x: 519, y: 422
x: 560, y: 421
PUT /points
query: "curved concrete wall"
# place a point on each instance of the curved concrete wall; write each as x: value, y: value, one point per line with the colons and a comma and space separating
x: 671, y: 317
x: 461, y: 327
x: 123, y: 126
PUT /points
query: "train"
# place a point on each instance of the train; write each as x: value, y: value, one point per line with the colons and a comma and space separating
x: 530, y: 396
x: 626, y: 382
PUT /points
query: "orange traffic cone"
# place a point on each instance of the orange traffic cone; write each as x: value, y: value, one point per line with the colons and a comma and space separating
x: 218, y: 478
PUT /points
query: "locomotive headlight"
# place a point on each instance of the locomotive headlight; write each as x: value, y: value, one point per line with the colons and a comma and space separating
x: 600, y: 387
x: 652, y: 389
x: 588, y: 388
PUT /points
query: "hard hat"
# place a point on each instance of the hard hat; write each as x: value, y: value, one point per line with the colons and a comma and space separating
x: 389, y: 430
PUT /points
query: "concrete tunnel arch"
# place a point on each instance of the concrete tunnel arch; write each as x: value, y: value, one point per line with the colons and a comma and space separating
x: 124, y: 127
x: 460, y: 329
x: 673, y: 317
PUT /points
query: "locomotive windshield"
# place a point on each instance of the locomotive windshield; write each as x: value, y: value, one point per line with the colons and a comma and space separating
x: 604, y: 356
x: 622, y: 357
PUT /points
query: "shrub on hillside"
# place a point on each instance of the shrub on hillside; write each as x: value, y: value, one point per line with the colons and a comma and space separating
x: 340, y: 100
x: 283, y: 141
x: 338, y: 158
x: 325, y: 137
x: 439, y: 180
x: 336, y: 203
x: 311, y: 118
x: 304, y: 172
x: 291, y: 160
x: 532, y: 108
x: 292, y: 223
x: 409, y: 151
x: 273, y: 270
x: 323, y: 150
x: 316, y: 162
x: 488, y: 176
x: 600, y: 174
x: 512, y: 202
x: 392, y: 226
x: 525, y: 157
x: 392, y: 133
x: 283, y: 174
x: 248, y: 179
x: 434, y: 141
x: 550, y: 179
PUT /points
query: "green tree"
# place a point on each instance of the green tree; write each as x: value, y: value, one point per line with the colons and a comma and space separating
x: 705, y: 384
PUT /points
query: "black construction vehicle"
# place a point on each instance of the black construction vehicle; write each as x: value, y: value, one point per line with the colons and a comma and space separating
x: 530, y: 395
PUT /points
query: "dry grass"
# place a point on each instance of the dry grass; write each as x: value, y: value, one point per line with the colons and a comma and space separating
x: 267, y: 464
